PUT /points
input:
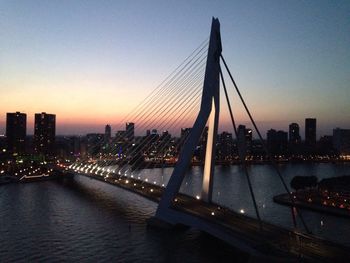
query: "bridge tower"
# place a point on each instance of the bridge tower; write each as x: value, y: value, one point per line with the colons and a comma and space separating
x: 209, y: 113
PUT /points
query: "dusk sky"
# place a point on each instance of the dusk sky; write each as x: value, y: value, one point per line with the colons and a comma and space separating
x: 91, y: 62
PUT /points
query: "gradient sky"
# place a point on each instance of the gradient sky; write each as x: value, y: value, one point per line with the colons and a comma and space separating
x: 91, y: 62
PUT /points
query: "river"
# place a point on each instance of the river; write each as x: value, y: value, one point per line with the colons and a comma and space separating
x: 88, y: 220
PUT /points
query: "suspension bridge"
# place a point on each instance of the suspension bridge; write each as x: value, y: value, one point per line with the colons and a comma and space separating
x: 192, y: 93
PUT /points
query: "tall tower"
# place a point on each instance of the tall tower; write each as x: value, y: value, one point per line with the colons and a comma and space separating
x: 16, y: 127
x: 44, y: 133
x: 130, y: 131
x: 310, y: 131
x: 294, y: 136
x: 245, y: 139
x: 341, y: 140
x: 208, y: 113
x: 108, y: 133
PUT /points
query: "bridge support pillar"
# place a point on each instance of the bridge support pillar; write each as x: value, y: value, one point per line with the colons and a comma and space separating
x: 209, y: 111
x: 209, y: 164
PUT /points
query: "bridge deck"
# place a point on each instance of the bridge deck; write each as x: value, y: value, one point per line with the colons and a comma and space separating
x: 269, y: 238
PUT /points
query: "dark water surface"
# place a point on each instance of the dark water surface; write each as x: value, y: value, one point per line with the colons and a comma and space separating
x: 90, y: 221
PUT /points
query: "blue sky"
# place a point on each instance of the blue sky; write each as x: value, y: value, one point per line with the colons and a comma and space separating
x: 84, y: 60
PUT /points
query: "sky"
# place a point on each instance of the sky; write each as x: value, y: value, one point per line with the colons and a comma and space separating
x: 92, y: 62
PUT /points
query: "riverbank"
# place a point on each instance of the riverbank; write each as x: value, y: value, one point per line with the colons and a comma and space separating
x: 34, y: 178
x: 312, y: 204
x: 152, y: 164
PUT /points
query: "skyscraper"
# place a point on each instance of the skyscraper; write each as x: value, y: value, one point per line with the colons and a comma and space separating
x: 341, y: 140
x: 44, y: 133
x: 16, y: 127
x: 94, y: 143
x: 108, y: 132
x: 277, y: 141
x: 245, y: 136
x: 225, y: 146
x: 310, y: 131
x: 294, y: 136
x: 130, y: 131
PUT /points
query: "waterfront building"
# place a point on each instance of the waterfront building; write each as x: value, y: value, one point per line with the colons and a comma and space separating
x: 245, y: 136
x: 325, y: 145
x: 166, y: 136
x: 94, y: 143
x: 341, y: 141
x: 120, y: 136
x: 68, y: 147
x: 184, y: 133
x: 130, y: 131
x: 225, y: 146
x: 277, y: 141
x: 294, y: 136
x: 44, y: 133
x: 310, y: 131
x: 108, y: 133
x: 16, y: 128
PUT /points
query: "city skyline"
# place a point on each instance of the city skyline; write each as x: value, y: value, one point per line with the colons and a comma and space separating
x: 132, y: 129
x: 69, y: 58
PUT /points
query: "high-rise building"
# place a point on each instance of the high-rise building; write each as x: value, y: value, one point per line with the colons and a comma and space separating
x: 225, y: 146
x: 108, y: 133
x: 3, y: 146
x: 16, y: 127
x: 120, y: 136
x: 165, y: 134
x: 44, y: 133
x: 341, y: 141
x: 130, y: 131
x: 310, y: 131
x: 294, y: 136
x: 94, y: 143
x: 277, y: 141
x: 245, y: 137
x: 184, y: 133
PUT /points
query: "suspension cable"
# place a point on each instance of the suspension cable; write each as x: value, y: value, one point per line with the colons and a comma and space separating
x: 243, y: 161
x: 266, y: 149
x: 169, y: 112
x: 169, y: 78
x: 192, y: 66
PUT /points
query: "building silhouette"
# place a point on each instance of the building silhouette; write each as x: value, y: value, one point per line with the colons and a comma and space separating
x: 94, y: 143
x: 277, y: 141
x: 245, y: 138
x: 341, y: 141
x: 16, y: 128
x: 310, y: 131
x: 130, y: 131
x: 294, y: 135
x: 108, y: 133
x: 120, y: 136
x: 225, y: 146
x: 185, y: 132
x: 44, y: 133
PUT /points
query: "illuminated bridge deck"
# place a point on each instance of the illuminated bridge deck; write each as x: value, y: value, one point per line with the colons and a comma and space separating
x: 271, y: 240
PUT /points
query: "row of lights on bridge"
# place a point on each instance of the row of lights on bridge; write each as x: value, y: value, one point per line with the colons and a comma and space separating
x: 100, y: 170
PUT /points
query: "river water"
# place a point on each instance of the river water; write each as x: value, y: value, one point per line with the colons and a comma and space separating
x: 90, y: 221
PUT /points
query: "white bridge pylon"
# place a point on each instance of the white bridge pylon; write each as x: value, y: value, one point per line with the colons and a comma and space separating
x: 209, y: 113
